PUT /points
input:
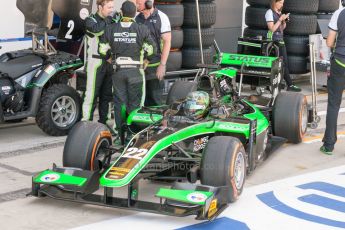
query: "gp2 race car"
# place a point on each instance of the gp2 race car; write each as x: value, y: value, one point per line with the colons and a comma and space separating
x: 206, y: 159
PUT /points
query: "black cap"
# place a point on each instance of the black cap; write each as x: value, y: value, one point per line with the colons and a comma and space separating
x: 128, y: 9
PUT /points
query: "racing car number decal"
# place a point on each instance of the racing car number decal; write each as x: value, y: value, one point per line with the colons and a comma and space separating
x: 135, y: 153
x: 129, y: 160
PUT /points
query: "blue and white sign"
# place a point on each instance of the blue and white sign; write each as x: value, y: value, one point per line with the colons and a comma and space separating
x: 311, y: 201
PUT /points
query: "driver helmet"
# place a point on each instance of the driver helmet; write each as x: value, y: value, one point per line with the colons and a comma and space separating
x: 196, y: 104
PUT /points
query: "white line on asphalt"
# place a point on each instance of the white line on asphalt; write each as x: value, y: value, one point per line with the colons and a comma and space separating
x: 320, y: 139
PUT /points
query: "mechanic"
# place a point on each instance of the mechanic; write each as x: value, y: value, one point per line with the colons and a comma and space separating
x: 276, y: 22
x: 336, y: 80
x: 159, y: 26
x: 127, y: 40
x: 98, y: 69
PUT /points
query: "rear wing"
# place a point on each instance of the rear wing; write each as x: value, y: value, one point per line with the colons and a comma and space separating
x: 228, y: 59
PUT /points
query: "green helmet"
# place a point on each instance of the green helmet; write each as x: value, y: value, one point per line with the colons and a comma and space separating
x: 196, y: 104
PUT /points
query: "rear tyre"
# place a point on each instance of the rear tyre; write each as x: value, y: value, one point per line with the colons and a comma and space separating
x: 250, y: 32
x: 86, y: 146
x: 297, y: 64
x: 174, y: 12
x: 301, y: 7
x: 290, y: 116
x: 297, y: 45
x: 328, y: 6
x: 179, y: 90
x: 207, y: 14
x: 255, y: 17
x: 224, y: 164
x: 176, y: 38
x: 174, y: 62
x: 261, y: 3
x: 301, y: 24
x: 191, y: 38
x: 191, y: 57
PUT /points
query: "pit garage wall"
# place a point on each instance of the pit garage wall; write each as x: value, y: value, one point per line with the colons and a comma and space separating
x: 11, y: 26
x: 229, y: 23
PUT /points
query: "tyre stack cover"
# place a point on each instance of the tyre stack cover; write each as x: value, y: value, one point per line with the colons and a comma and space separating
x: 175, y: 11
x: 302, y: 23
x: 191, y: 55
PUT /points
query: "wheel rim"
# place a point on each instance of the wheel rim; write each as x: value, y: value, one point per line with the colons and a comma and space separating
x: 264, y: 146
x: 64, y: 111
x: 239, y: 173
x: 304, y: 123
x: 101, y: 154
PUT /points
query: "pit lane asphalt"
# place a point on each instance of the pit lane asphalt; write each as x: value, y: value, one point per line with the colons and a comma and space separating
x: 25, y: 150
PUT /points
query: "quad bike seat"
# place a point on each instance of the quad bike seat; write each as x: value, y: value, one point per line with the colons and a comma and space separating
x: 17, y: 67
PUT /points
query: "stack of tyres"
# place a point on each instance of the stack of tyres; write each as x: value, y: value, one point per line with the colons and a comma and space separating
x: 175, y: 12
x: 303, y: 22
x: 191, y: 55
x: 326, y: 10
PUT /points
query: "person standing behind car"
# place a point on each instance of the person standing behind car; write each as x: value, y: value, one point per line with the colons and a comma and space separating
x: 276, y: 23
x: 127, y: 41
x: 98, y: 69
x: 336, y: 80
x: 159, y: 26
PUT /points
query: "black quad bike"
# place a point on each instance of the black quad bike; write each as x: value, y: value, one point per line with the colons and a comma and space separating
x: 36, y: 85
x: 35, y: 82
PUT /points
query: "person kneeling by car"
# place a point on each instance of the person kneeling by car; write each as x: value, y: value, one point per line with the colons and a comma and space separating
x: 126, y: 40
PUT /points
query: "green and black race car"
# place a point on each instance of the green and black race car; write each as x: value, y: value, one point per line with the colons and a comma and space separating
x: 206, y: 157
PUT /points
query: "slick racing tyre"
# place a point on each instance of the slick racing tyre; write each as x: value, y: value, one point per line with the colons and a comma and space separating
x: 191, y: 57
x: 174, y: 62
x: 297, y: 45
x: 290, y: 116
x: 261, y: 3
x: 207, y: 14
x: 297, y: 64
x: 176, y: 38
x: 86, y: 146
x: 174, y: 12
x: 328, y: 6
x: 301, y: 25
x: 249, y: 32
x: 301, y: 7
x: 191, y: 37
x: 255, y: 17
x: 224, y: 164
x: 59, y: 110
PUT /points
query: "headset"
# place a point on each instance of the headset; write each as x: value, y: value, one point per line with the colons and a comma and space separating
x: 149, y: 4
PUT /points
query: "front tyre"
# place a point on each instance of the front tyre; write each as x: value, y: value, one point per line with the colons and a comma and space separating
x: 87, y: 146
x: 223, y: 164
x: 59, y: 110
